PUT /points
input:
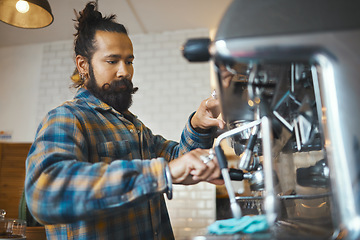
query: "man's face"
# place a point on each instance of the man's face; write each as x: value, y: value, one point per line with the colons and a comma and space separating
x: 111, y: 70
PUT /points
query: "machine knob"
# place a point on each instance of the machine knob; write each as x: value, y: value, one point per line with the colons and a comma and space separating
x: 197, y: 50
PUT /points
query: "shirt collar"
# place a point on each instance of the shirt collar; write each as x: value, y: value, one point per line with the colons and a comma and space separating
x: 91, y: 100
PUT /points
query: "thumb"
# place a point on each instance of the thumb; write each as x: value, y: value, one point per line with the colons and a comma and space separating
x: 221, y: 123
x: 217, y: 123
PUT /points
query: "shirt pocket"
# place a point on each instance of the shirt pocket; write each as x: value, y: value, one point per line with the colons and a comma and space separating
x: 109, y: 151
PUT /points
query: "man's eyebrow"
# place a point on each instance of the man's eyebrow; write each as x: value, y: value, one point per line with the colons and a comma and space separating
x: 119, y: 56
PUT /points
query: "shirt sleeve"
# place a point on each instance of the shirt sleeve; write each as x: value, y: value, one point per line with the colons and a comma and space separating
x: 62, y: 187
x: 190, y: 139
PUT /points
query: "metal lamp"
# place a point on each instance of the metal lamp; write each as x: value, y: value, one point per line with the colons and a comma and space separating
x: 26, y: 14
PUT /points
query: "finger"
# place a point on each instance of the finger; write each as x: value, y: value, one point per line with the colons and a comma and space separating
x: 217, y: 181
x: 215, y: 174
x: 199, y: 170
x: 212, y: 107
x: 211, y: 103
x: 212, y: 172
x: 214, y: 164
x: 219, y: 123
x: 197, y: 162
x: 204, y: 161
x: 214, y: 122
x: 209, y: 172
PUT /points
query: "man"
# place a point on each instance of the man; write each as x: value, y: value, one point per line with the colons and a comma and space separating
x: 94, y: 170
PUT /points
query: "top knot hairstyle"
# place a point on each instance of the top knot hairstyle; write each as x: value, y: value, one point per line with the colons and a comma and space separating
x: 89, y: 21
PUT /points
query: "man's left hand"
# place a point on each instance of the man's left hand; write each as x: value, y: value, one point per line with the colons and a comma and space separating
x: 207, y: 114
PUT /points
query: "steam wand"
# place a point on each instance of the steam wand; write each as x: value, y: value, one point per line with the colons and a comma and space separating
x: 235, y: 208
x: 271, y: 204
x: 246, y: 158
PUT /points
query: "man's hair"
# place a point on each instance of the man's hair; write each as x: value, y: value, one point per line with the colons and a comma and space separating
x: 88, y: 21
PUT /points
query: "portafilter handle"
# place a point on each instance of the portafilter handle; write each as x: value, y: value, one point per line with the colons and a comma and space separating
x: 237, y: 174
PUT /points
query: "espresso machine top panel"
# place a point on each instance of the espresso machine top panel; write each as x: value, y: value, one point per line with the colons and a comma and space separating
x: 252, y: 18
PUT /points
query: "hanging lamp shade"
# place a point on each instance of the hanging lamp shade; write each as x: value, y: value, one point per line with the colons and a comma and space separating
x: 26, y: 14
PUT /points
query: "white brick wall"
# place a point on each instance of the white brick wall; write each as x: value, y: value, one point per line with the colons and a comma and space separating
x: 170, y: 89
x: 56, y: 68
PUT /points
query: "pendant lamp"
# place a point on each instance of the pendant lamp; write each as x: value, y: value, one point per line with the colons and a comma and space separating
x: 26, y: 14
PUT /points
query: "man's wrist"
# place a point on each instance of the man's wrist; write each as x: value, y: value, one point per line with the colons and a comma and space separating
x: 198, y: 129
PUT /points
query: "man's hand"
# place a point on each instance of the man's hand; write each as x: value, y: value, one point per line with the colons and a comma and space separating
x: 206, y: 115
x: 190, y: 169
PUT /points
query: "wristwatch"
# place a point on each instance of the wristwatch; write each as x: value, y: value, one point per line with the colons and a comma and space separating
x: 168, y: 182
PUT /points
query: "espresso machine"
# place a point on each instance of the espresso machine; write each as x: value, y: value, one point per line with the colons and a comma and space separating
x: 289, y: 86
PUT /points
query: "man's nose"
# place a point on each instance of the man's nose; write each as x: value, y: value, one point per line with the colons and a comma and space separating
x: 123, y: 71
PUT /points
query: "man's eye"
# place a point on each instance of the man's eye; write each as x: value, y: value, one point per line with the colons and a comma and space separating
x: 111, y: 62
x: 129, y: 62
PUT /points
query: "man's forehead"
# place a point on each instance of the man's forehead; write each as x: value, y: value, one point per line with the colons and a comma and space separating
x: 113, y: 40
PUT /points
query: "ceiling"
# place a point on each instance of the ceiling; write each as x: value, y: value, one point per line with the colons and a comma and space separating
x: 138, y: 16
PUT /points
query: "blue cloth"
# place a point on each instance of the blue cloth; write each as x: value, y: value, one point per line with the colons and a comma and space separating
x: 246, y: 224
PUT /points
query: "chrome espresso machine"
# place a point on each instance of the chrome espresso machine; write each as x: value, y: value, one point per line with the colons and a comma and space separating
x: 289, y: 86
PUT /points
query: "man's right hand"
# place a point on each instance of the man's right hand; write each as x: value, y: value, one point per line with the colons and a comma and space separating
x: 190, y: 169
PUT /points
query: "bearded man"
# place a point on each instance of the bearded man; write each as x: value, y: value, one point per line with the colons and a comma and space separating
x: 95, y: 171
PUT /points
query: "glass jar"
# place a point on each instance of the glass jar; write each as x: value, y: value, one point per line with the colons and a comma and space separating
x: 11, y: 228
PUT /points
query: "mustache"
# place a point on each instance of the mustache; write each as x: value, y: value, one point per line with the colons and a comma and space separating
x: 120, y: 86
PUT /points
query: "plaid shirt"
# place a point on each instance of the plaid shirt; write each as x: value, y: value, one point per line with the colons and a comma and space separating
x: 95, y: 173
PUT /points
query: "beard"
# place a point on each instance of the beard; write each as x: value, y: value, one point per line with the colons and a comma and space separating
x: 117, y: 94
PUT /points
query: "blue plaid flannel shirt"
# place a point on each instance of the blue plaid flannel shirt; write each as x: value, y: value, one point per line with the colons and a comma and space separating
x: 95, y: 173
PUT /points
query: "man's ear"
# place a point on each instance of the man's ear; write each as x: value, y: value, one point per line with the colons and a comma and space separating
x: 82, y: 65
